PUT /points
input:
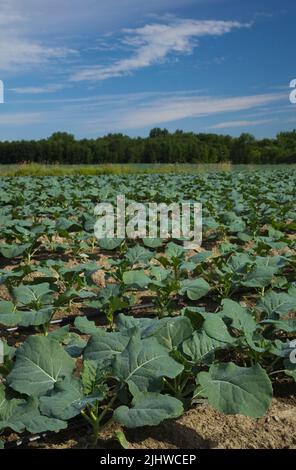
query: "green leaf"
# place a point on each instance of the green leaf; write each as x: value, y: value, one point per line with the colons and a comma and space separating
x: 159, y: 273
x: 138, y: 255
x: 36, y: 318
x: 260, y: 277
x: 174, y: 251
x: 241, y: 318
x: 136, y: 279
x: 149, y: 409
x: 67, y: 400
x: 215, y: 327
x: 7, y: 407
x: 85, y: 326
x: 103, y: 346
x: 13, y: 251
x: 196, y: 316
x: 66, y: 225
x: 153, y: 242
x: 8, y: 351
x: 89, y: 376
x: 74, y: 345
x: 110, y: 244
x: 194, y: 288
x: 236, y: 390
x: 25, y: 295
x: 146, y: 326
x: 173, y: 331
x: 60, y: 334
x: 275, y: 304
x: 40, y: 363
x: 19, y: 415
x: 201, y: 347
x: 9, y: 316
x: 144, y: 363
x: 201, y: 257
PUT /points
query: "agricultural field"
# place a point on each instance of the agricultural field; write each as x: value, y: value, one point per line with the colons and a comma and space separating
x: 143, y: 343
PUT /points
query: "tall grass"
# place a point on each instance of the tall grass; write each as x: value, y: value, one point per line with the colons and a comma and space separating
x: 35, y: 169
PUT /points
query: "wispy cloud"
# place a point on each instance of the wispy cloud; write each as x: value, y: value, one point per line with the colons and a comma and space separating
x: 246, y: 123
x: 97, y: 115
x: 153, y: 43
x: 20, y: 119
x: 19, y: 53
x: 174, y: 108
x: 39, y: 90
x: 18, y: 49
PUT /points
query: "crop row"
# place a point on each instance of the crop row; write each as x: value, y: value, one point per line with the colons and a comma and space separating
x: 221, y: 320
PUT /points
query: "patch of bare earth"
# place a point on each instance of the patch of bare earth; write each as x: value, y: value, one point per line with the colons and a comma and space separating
x: 200, y: 428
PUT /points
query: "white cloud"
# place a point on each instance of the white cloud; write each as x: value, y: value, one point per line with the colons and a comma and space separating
x: 92, y: 116
x: 19, y: 53
x: 174, y: 108
x: 18, y: 48
x: 153, y: 43
x: 20, y: 119
x: 246, y: 123
x: 38, y: 90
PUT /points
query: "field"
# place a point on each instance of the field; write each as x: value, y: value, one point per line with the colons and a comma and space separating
x: 143, y: 343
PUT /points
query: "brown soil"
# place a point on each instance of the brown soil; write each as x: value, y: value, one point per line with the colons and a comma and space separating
x: 200, y: 428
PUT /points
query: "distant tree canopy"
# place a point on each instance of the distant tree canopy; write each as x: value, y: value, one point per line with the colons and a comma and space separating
x: 160, y: 147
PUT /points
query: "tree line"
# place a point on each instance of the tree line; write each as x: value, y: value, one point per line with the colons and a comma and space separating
x: 160, y: 146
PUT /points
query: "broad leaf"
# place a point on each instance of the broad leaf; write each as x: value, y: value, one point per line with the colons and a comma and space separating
x: 241, y: 318
x: 275, y: 304
x: 9, y: 316
x: 149, y: 409
x: 144, y: 363
x: 215, y: 327
x: 136, y: 279
x: 103, y: 346
x: 19, y: 415
x: 236, y: 390
x: 67, y: 400
x: 201, y: 347
x: 85, y: 326
x: 25, y: 295
x: 194, y: 288
x: 40, y: 363
x: 173, y: 331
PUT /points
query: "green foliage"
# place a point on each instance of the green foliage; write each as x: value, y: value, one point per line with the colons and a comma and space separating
x: 160, y: 147
x: 219, y: 325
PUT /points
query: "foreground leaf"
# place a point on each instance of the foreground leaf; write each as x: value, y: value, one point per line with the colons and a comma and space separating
x: 40, y: 363
x: 149, y: 409
x: 145, y: 363
x: 236, y: 390
x: 67, y: 400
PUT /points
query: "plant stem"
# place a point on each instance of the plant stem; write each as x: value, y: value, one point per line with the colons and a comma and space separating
x: 277, y: 372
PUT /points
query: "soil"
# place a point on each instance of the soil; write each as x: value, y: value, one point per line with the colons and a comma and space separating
x: 200, y: 428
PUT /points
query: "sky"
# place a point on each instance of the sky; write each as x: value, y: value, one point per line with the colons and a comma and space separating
x: 92, y: 67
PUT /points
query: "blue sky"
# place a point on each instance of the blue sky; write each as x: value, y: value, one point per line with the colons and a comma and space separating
x: 97, y: 66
